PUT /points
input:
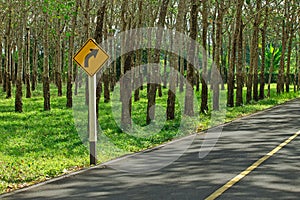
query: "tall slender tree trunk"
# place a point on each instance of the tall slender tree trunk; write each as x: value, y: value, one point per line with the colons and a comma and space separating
x: 239, y: 75
x: 8, y: 55
x: 35, y: 62
x: 139, y: 53
x: 298, y: 66
x: 5, y: 66
x: 204, y: 94
x: 13, y: 67
x: 86, y: 36
x: 46, y: 79
x: 58, y: 76
x: 280, y: 79
x: 156, y: 58
x: 189, y: 95
x: 255, y: 48
x: 1, y: 60
x: 270, y: 73
x: 99, y: 38
x: 19, y: 92
x: 8, y: 70
x: 173, y: 59
x: 288, y: 65
x: 230, y: 81
x: 27, y: 68
x: 70, y: 58
x: 263, y: 53
x: 217, y: 68
x: 106, y: 75
x: 181, y: 67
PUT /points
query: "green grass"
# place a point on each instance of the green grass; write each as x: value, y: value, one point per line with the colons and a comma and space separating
x: 38, y: 145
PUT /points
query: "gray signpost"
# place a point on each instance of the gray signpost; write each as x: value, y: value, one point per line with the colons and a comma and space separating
x: 91, y: 58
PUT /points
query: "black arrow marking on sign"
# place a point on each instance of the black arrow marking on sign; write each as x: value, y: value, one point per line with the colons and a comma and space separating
x: 94, y: 53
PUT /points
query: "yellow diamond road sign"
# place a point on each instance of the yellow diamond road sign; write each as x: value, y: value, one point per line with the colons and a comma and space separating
x: 91, y: 57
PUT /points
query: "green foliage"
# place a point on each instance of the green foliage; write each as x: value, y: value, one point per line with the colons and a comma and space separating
x: 274, y: 52
x: 37, y: 145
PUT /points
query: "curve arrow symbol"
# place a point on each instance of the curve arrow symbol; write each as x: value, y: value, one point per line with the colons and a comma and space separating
x: 94, y: 53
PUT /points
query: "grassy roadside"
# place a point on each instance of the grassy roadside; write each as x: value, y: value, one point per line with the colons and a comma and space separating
x: 38, y: 145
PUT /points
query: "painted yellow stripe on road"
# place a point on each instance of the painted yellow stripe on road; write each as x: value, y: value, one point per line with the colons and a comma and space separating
x: 244, y: 173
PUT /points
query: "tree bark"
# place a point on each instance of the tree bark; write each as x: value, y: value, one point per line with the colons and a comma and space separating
x: 270, y: 73
x: 1, y: 60
x: 255, y: 52
x: 46, y: 80
x: 288, y: 65
x: 19, y: 92
x: 35, y: 61
x: 263, y: 53
x: 58, y: 70
x: 230, y: 82
x: 70, y: 57
x: 99, y: 38
x: 27, y: 68
x: 173, y: 60
x: 216, y: 70
x: 204, y: 88
x: 298, y: 66
x: 189, y: 96
x: 156, y: 58
x: 280, y: 79
x: 86, y: 36
x: 8, y: 71
x: 239, y: 75
x: 8, y: 56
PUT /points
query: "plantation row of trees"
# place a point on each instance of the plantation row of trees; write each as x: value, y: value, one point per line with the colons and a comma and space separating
x: 252, y: 44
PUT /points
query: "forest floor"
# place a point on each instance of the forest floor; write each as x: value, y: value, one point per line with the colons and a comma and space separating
x: 39, y: 145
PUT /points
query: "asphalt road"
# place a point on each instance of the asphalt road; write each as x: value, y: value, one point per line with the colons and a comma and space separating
x: 242, y: 143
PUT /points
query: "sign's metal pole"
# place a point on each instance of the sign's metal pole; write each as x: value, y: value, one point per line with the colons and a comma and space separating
x: 92, y: 120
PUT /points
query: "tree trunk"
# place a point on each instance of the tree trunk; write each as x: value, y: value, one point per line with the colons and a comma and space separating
x: 8, y: 70
x: 239, y: 75
x: 13, y: 67
x: 298, y: 66
x: 288, y: 66
x: 27, y: 68
x: 99, y: 38
x: 46, y: 80
x: 106, y: 75
x: 139, y: 54
x: 19, y: 92
x: 70, y: 58
x: 165, y: 69
x: 204, y: 94
x: 296, y: 69
x: 5, y: 66
x: 58, y: 77
x: 230, y: 82
x: 255, y: 48
x: 189, y: 96
x: 35, y: 62
x: 1, y: 66
x: 86, y: 36
x: 156, y: 58
x: 216, y: 70
x: 270, y: 73
x: 263, y: 54
x: 173, y: 60
x: 280, y: 80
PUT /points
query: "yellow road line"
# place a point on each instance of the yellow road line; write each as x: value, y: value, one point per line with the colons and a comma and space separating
x: 244, y: 173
